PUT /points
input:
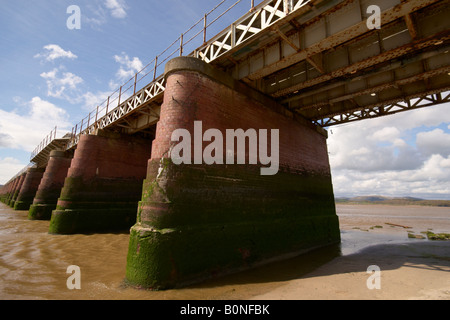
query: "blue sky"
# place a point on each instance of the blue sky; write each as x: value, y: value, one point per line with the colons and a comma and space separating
x: 51, y: 75
x: 54, y: 76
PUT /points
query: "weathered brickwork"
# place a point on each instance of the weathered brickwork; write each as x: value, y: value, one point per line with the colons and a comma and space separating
x: 50, y: 187
x: 29, y: 188
x: 197, y: 221
x: 103, y: 184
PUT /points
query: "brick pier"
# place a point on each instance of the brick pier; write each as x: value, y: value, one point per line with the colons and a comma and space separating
x: 197, y: 221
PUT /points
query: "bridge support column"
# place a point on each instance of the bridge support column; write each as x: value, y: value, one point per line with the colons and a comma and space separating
x: 16, y: 191
x: 197, y: 221
x: 103, y: 184
x: 50, y: 187
x: 11, y: 191
x: 4, y: 193
x: 29, y: 188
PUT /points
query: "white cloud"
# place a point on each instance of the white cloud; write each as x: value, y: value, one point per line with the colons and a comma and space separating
x: 436, y: 168
x: 99, y: 16
x: 66, y: 85
x: 117, y: 8
x: 397, y: 155
x: 9, y: 166
x: 367, y: 148
x: 63, y: 85
x: 91, y: 100
x: 385, y: 134
x: 25, y: 132
x: 128, y: 67
x: 53, y: 52
x: 5, y: 140
x: 99, y: 11
x: 434, y: 142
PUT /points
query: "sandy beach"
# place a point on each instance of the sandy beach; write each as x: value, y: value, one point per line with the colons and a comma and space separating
x: 410, y: 268
x: 33, y: 263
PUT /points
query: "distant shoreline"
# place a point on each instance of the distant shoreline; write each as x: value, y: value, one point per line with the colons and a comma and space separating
x: 406, y: 201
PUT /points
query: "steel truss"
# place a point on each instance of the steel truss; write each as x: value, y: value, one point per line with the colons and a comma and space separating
x: 274, y: 38
x: 386, y: 108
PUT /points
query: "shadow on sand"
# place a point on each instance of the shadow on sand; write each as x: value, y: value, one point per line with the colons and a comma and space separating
x: 385, y: 251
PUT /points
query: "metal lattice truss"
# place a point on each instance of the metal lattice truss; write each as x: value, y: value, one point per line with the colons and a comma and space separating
x: 260, y: 18
x: 328, y: 66
x: 140, y: 103
x: 143, y: 97
x: 319, y: 59
x: 386, y: 108
x: 263, y: 17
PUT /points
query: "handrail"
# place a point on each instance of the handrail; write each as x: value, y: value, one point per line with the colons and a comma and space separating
x: 30, y: 165
x: 92, y: 121
x: 125, y: 98
x: 45, y: 142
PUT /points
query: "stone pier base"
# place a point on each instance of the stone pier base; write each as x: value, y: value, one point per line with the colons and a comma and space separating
x: 29, y: 188
x: 103, y: 185
x: 50, y: 187
x: 15, y: 193
x: 197, y: 221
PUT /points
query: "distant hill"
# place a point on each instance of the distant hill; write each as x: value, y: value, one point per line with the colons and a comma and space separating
x: 393, y: 201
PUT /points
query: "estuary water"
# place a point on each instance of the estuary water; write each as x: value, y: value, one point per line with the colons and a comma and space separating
x: 33, y: 263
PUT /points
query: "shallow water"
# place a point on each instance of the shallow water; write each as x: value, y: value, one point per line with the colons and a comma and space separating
x: 33, y: 263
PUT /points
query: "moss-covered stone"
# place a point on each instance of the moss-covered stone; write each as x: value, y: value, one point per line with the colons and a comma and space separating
x: 41, y: 211
x: 167, y: 258
x: 106, y: 219
x: 195, y: 222
x: 438, y: 236
x: 22, y: 205
x: 95, y: 206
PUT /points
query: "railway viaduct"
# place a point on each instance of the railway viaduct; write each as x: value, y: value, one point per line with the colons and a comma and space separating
x: 293, y: 67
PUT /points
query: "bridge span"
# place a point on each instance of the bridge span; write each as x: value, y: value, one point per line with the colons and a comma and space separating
x: 297, y: 66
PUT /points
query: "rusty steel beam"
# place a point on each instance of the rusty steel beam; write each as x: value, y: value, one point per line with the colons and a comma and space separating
x: 370, y: 62
x: 376, y: 89
x: 411, y: 26
x: 332, y: 41
x: 391, y: 67
x: 427, y: 99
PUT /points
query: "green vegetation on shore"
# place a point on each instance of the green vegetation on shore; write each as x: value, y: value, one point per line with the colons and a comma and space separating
x: 438, y: 236
x: 404, y: 201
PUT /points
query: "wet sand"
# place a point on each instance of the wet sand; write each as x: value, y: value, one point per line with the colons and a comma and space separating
x: 410, y: 268
x: 33, y: 263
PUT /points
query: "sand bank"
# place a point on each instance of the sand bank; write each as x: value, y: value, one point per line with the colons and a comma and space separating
x: 378, y: 235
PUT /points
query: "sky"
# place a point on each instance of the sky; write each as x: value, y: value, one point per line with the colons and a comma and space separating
x: 53, y: 75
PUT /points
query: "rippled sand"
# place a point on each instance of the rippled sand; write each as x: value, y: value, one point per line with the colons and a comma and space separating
x: 33, y: 263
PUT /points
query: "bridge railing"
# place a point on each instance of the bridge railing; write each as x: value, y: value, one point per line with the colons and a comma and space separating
x: 148, y: 83
x: 259, y: 18
x: 136, y: 91
x: 30, y: 165
x: 45, y: 142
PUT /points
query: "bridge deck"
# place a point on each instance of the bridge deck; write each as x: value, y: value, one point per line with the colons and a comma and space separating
x: 318, y: 58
